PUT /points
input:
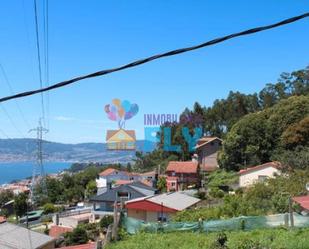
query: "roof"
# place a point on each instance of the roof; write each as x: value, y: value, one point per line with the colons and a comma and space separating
x: 121, y: 182
x: 205, y: 140
x: 303, y: 201
x: 111, y: 133
x: 84, y: 246
x: 13, y: 236
x: 182, y: 167
x: 175, y: 200
x: 56, y: 231
x: 149, y: 173
x: 274, y: 164
x: 107, y: 172
x: 136, y: 190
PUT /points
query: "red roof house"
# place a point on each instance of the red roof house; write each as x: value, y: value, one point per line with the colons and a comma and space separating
x: 158, y: 207
x: 181, y: 175
x: 303, y: 201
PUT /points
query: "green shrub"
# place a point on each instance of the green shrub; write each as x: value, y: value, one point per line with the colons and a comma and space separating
x: 106, y: 221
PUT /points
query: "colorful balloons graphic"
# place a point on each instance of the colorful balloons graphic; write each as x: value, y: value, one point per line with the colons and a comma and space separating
x: 121, y: 111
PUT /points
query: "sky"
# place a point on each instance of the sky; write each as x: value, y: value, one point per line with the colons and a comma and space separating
x: 87, y: 35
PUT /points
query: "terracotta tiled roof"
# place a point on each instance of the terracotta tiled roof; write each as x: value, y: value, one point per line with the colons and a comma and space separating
x: 2, y: 219
x: 56, y: 231
x: 274, y: 164
x: 84, y: 246
x: 303, y: 201
x: 111, y: 133
x: 182, y: 167
x: 121, y: 182
x: 109, y: 171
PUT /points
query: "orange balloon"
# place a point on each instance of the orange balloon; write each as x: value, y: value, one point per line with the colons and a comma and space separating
x: 121, y: 112
x: 116, y: 102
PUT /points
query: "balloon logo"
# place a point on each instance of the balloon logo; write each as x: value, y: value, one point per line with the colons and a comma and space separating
x: 120, y: 111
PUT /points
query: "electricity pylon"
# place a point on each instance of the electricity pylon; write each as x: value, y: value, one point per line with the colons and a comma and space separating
x: 38, y: 172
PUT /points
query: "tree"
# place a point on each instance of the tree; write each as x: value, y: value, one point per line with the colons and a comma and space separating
x: 20, y: 204
x: 106, y: 221
x: 5, y: 196
x: 77, y: 237
x: 91, y: 188
x: 49, y: 208
x: 161, y: 185
x: 257, y: 137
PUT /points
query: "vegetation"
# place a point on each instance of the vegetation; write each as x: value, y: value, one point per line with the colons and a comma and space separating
x: 258, y: 239
x: 106, y: 221
x: 268, y: 125
x: 77, y: 237
x: 265, y: 198
x: 260, y: 137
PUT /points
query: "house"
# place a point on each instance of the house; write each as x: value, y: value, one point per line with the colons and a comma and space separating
x: 258, y: 173
x: 108, y: 176
x: 105, y: 201
x: 111, y: 176
x: 207, y: 149
x: 181, y: 175
x: 13, y: 236
x: 303, y: 201
x: 159, y: 207
x: 56, y: 231
x: 121, y: 139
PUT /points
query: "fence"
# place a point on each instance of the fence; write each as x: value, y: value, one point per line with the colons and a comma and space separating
x: 240, y: 223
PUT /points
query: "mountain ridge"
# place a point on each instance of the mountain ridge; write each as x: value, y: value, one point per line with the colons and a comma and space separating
x: 25, y: 149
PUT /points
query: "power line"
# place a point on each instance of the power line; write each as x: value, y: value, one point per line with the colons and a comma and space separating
x: 12, y: 92
x: 39, y: 56
x: 158, y: 56
x: 11, y: 120
x: 46, y: 53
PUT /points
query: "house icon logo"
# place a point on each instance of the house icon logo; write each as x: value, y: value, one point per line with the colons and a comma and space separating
x: 121, y: 111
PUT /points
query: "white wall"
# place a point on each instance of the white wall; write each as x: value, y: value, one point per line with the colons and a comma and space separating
x: 252, y: 177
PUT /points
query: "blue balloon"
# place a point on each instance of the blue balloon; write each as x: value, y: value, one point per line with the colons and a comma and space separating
x: 134, y: 109
x: 126, y: 105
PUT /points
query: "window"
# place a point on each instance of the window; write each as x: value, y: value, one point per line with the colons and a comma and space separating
x: 262, y: 178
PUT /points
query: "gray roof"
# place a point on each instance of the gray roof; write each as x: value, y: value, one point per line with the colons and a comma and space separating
x: 17, y: 237
x: 136, y: 190
x: 174, y: 200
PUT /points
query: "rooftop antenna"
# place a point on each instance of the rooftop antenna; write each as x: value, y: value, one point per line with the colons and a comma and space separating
x: 38, y: 172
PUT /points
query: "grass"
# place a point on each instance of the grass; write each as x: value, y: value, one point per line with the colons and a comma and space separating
x: 257, y: 239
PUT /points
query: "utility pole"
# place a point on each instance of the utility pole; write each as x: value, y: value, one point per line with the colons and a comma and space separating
x: 38, y: 173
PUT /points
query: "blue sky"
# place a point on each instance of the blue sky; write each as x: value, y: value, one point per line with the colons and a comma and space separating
x: 86, y: 36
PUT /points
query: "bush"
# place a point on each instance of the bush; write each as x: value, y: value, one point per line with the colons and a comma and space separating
x: 49, y: 208
x: 216, y: 193
x: 106, y: 221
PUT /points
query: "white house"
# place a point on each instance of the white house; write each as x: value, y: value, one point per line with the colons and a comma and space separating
x: 258, y: 173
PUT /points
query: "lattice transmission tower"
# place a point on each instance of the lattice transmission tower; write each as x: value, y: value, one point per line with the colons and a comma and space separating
x: 38, y: 172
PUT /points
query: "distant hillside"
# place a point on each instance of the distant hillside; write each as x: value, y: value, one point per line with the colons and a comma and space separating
x: 18, y: 150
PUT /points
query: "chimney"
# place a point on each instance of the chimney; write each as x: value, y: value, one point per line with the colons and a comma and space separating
x: 195, y: 158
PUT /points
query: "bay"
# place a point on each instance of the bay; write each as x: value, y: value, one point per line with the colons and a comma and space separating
x: 22, y: 170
